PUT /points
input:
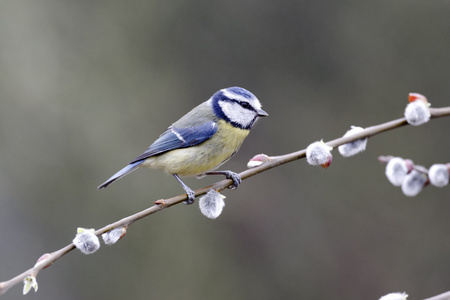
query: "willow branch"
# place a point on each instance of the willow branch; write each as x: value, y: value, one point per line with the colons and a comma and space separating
x: 273, y: 162
x: 443, y: 296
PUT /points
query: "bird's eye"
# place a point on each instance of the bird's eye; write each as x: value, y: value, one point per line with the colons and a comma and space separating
x: 245, y: 104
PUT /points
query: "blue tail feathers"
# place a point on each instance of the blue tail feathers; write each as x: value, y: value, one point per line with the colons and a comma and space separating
x: 125, y: 171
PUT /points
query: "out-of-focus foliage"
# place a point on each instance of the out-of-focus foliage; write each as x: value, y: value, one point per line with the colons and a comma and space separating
x: 85, y: 86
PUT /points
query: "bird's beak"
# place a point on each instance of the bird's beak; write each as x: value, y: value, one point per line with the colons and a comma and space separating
x: 262, y: 113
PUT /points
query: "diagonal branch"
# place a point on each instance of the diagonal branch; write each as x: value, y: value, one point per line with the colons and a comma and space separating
x: 274, y: 161
x: 443, y: 296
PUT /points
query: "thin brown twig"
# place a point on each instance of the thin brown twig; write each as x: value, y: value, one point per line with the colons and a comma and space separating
x: 443, y: 296
x: 273, y: 162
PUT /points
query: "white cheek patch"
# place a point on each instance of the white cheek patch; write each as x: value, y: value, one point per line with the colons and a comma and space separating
x: 236, y: 113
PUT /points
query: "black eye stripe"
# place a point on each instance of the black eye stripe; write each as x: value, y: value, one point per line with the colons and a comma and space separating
x: 243, y: 104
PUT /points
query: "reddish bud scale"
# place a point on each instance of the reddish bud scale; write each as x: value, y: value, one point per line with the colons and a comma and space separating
x: 328, y: 163
x: 416, y: 96
x: 124, y: 231
x: 261, y: 157
x: 409, y: 164
x: 257, y: 160
x: 44, y: 256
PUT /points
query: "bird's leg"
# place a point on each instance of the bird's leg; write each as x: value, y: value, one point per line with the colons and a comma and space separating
x: 229, y: 175
x: 189, y: 192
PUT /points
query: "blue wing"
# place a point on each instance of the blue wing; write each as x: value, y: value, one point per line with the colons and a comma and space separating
x: 175, y: 138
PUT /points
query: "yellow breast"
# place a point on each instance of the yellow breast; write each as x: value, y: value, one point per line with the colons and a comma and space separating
x: 204, y: 157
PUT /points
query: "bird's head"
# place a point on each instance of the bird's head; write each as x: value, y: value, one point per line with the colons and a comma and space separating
x: 237, y: 106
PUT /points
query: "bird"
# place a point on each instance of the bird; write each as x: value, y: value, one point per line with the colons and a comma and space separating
x: 202, y: 140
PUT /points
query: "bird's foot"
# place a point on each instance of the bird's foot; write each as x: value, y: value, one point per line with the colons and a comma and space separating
x: 235, y: 177
x: 189, y: 192
x: 228, y: 175
x: 190, y: 196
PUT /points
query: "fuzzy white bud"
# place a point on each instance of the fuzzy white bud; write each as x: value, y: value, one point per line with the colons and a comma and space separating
x: 86, y: 241
x: 417, y: 113
x: 414, y: 183
x: 396, y: 170
x: 112, y: 236
x: 211, y: 204
x: 319, y: 154
x: 395, y: 296
x: 29, y: 282
x: 354, y: 147
x: 439, y: 175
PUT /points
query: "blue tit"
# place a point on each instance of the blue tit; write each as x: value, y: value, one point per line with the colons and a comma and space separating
x: 202, y: 140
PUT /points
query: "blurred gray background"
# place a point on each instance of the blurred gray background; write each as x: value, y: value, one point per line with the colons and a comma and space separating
x: 85, y: 86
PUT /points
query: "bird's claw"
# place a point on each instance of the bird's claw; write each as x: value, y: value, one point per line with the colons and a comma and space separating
x: 190, y: 197
x: 236, y: 179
